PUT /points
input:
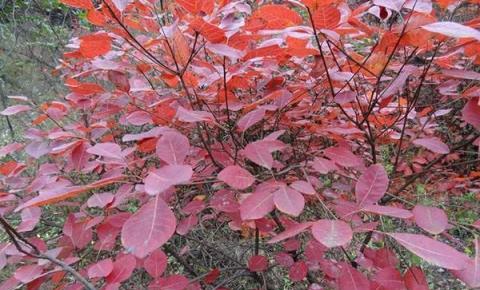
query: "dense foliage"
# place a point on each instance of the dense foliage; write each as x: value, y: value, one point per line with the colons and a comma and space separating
x: 204, y: 144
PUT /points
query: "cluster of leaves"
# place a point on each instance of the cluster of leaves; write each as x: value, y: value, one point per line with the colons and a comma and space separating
x: 270, y: 118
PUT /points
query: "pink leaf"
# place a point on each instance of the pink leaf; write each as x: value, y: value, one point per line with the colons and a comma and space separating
x: 109, y: 149
x: 100, y: 269
x: 30, y: 218
x: 250, y: 119
x: 149, y: 228
x: 257, y: 205
x: 288, y: 200
x: 432, y: 251
x: 186, y: 224
x: 161, y: 179
x: 139, y: 118
x: 350, y: 279
x: 343, y: 156
x: 390, y: 278
x: 172, y: 282
x: 236, y: 177
x: 260, y: 152
x: 28, y: 273
x: 332, y: 233
x: 173, y: 148
x: 298, y: 271
x: 303, y: 187
x: 388, y: 211
x: 156, y: 263
x: 122, y: 269
x: 453, y: 29
x: 462, y: 74
x: 323, y: 166
x: 471, y: 113
x: 431, y: 219
x: 372, y: 185
x: 257, y: 263
x: 471, y: 274
x: 15, y: 110
x: 100, y: 199
x: 291, y: 231
x: 188, y: 116
x: 433, y: 144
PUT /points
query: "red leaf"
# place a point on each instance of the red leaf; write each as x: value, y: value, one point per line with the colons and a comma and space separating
x: 433, y: 144
x: 120, y: 80
x: 332, y: 233
x: 431, y: 219
x: 122, y: 269
x: 13, y: 110
x: 372, y: 185
x: 388, y: 211
x: 291, y: 231
x: 95, y: 45
x: 352, y: 279
x: 471, y: 113
x: 284, y: 259
x: 257, y: 263
x: 432, y: 251
x: 156, y: 263
x: 415, y: 279
x: 289, y: 201
x: 250, y: 119
x: 173, y: 148
x: 471, y: 274
x: 453, y: 29
x: 28, y: 273
x: 149, y: 228
x: 236, y: 177
x: 298, y: 271
x: 100, y: 269
x: 326, y: 17
x: 212, y: 276
x: 85, y: 4
x: 161, y: 179
x: 343, y: 156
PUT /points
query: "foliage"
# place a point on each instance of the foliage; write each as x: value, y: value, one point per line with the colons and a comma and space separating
x: 211, y: 144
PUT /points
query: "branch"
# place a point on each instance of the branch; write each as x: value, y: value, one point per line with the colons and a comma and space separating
x: 16, y: 238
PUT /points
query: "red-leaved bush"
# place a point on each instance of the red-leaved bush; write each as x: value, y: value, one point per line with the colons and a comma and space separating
x: 299, y: 131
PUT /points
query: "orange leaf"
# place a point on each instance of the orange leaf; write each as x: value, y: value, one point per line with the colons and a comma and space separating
x: 211, y: 32
x: 278, y: 16
x: 95, y: 44
x: 85, y: 4
x: 56, y: 195
x: 326, y: 17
